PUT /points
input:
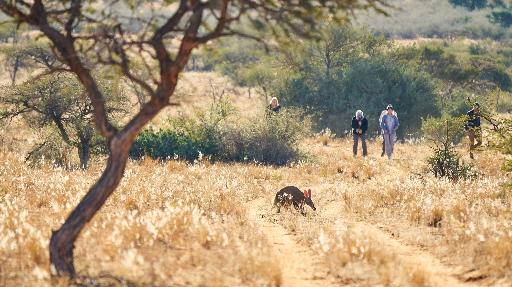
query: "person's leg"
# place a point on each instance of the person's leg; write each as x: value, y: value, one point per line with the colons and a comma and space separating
x: 363, y: 142
x: 387, y: 142
x: 383, y: 145
x: 392, y: 140
x: 356, y: 143
x: 471, y: 136
x: 478, y: 137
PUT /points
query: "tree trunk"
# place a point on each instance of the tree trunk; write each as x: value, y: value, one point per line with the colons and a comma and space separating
x: 62, y: 240
x: 84, y: 153
x: 15, y: 70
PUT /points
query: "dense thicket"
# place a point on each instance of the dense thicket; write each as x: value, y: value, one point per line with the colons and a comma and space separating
x: 349, y: 69
x: 346, y: 70
x: 215, y: 135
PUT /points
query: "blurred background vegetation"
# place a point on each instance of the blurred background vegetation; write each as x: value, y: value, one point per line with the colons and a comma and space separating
x: 428, y: 58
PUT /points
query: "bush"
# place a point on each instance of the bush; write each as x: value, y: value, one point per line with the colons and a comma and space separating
x: 272, y: 139
x: 170, y: 143
x: 373, y: 83
x: 477, y: 49
x: 184, y: 137
x: 447, y: 163
x: 444, y: 133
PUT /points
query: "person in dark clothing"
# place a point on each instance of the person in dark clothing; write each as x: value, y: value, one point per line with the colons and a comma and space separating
x: 274, y: 105
x: 359, y: 128
x: 473, y: 128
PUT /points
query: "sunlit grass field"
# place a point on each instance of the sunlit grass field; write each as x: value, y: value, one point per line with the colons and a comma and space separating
x: 185, y: 224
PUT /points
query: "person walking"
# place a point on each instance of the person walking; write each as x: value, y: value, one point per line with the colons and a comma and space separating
x: 359, y: 128
x: 389, y: 124
x: 473, y: 128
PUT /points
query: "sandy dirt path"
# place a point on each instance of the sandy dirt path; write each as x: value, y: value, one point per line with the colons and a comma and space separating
x: 300, y: 267
x: 409, y: 256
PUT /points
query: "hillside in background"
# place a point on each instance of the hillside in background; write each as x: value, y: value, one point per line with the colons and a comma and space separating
x: 433, y: 19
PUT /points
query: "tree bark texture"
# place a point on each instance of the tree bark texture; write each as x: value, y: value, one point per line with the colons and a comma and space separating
x: 63, y: 239
x: 187, y: 21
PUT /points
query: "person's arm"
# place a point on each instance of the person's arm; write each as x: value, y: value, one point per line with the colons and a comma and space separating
x: 354, y: 124
x: 364, y: 126
x: 383, y: 123
x: 397, y: 123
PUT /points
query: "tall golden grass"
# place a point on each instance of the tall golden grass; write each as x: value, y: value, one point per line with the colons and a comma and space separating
x: 179, y: 224
x: 167, y: 224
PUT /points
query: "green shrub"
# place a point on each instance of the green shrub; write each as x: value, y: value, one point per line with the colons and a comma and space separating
x: 444, y: 133
x: 477, y: 49
x: 447, y: 163
x: 270, y: 139
x: 273, y: 139
x: 171, y: 143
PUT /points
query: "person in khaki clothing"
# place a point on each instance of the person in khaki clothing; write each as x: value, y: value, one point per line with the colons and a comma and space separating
x: 473, y: 128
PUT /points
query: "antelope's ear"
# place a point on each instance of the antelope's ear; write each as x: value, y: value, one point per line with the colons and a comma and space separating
x: 305, y: 193
x: 309, y: 192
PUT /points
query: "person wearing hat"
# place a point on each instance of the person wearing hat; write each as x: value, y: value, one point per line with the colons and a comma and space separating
x: 389, y: 124
x: 359, y: 128
x: 473, y: 128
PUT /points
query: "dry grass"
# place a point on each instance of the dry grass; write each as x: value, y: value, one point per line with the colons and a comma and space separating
x: 196, y: 90
x: 186, y: 225
x: 466, y: 224
x: 176, y: 224
x: 157, y: 229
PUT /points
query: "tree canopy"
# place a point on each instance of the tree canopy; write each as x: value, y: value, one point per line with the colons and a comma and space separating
x: 86, y: 35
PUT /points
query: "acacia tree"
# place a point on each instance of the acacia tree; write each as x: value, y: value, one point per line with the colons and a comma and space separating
x: 58, y: 101
x: 86, y: 34
x: 25, y: 53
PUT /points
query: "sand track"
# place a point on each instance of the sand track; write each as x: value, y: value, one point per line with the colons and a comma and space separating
x: 301, y: 267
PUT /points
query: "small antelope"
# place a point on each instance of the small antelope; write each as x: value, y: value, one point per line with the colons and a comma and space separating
x: 292, y: 195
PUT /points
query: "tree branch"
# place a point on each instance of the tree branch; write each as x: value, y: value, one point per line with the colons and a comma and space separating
x: 66, y: 49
